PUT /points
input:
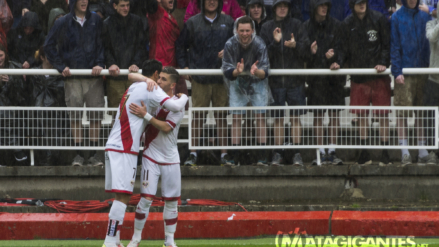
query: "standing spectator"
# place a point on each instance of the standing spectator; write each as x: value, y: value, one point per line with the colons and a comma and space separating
x: 288, y: 46
x: 43, y: 8
x: 18, y: 8
x: 255, y: 9
x: 326, y: 52
x: 75, y: 42
x: 25, y: 40
x: 429, y: 7
x: 54, y: 15
x: 409, y: 49
x: 201, y: 46
x: 123, y: 40
x: 229, y: 7
x: 381, y: 6
x: 367, y: 43
x: 246, y: 52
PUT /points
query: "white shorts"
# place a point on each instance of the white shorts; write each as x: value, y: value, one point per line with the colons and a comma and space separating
x: 120, y: 172
x: 171, y: 180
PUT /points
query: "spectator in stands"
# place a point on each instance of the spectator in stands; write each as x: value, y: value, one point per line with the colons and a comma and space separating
x: 431, y: 92
x: 123, y: 39
x: 288, y: 45
x: 246, y: 52
x: 201, y: 46
x: 366, y: 45
x: 54, y: 15
x: 43, y: 8
x: 18, y: 8
x: 14, y: 91
x: 229, y: 7
x: 326, y: 52
x: 98, y: 7
x: 409, y: 49
x: 75, y: 42
x: 256, y: 10
x: 429, y: 7
x: 6, y: 21
x: 25, y: 39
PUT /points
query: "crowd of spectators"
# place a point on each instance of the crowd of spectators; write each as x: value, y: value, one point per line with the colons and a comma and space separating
x: 236, y: 36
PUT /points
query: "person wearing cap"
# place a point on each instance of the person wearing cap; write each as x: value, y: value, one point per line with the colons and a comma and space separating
x: 367, y: 45
x: 409, y: 48
x: 325, y: 34
x: 288, y: 45
x: 255, y: 9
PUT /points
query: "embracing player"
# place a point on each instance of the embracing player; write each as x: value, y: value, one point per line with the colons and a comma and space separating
x: 123, y: 144
x: 160, y: 158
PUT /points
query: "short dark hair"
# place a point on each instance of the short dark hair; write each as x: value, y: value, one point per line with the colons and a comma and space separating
x: 173, y: 73
x: 118, y: 1
x: 244, y: 20
x: 149, y: 67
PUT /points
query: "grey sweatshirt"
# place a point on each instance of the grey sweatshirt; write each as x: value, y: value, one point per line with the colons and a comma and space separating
x: 433, y: 37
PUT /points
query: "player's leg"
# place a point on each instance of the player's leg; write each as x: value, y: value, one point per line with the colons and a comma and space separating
x: 120, y: 175
x: 171, y: 192
x: 149, y: 178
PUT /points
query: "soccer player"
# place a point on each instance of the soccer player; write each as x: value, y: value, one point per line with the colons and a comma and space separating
x: 123, y: 145
x: 160, y: 158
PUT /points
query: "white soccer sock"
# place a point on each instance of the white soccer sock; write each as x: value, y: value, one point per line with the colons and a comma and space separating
x: 422, y: 152
x: 116, y: 215
x: 170, y: 216
x: 322, y: 150
x: 403, y: 142
x: 142, y: 212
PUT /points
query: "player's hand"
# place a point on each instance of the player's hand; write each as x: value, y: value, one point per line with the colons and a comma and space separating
x: 151, y: 85
x: 329, y: 54
x: 254, y: 68
x: 380, y: 68
x: 4, y: 78
x: 133, y: 68
x: 66, y: 72
x: 277, y: 34
x: 290, y: 43
x: 179, y: 95
x: 334, y: 66
x: 139, y: 111
x: 96, y: 70
x: 400, y: 79
x: 26, y: 65
x: 314, y: 47
x: 114, y: 70
x: 221, y: 54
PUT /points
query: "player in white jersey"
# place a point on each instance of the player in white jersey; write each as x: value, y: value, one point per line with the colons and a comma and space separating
x: 160, y: 158
x: 123, y: 145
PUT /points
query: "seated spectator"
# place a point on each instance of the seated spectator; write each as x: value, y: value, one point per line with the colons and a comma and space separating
x: 74, y: 42
x: 288, y: 45
x: 246, y: 52
x: 229, y: 7
x: 54, y: 15
x: 43, y: 8
x: 123, y: 39
x: 25, y: 40
x: 255, y: 9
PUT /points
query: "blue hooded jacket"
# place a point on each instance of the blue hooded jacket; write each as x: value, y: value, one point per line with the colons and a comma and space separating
x: 409, y: 46
x: 70, y: 45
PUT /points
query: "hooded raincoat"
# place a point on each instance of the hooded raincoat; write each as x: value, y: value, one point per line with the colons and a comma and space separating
x: 229, y: 7
x: 22, y: 47
x: 205, y: 40
x: 409, y: 45
x: 69, y: 44
x: 43, y: 10
x: 52, y: 16
x: 234, y: 51
x: 264, y: 19
x: 282, y: 57
x: 366, y: 42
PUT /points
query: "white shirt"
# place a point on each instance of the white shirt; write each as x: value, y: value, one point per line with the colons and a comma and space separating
x: 160, y: 147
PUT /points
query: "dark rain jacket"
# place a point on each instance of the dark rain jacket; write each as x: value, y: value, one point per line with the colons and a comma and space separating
x: 410, y: 47
x: 16, y: 90
x: 22, y: 47
x: 43, y: 10
x: 204, y: 41
x: 264, y: 19
x: 366, y: 42
x: 52, y: 16
x: 328, y: 35
x: 282, y: 57
x: 124, y: 40
x: 46, y: 91
x: 70, y: 45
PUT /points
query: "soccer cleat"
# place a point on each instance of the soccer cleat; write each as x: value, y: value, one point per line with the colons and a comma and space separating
x: 120, y: 245
x: 430, y: 159
x: 385, y: 160
x: 172, y: 245
x: 406, y: 160
x: 364, y: 159
x: 227, y: 160
x: 134, y: 243
x: 78, y: 160
x: 297, y: 161
x: 111, y: 245
x: 277, y: 159
x: 191, y: 161
x: 334, y: 160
